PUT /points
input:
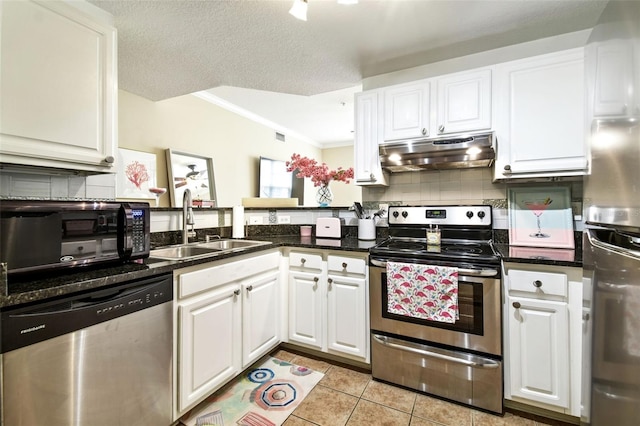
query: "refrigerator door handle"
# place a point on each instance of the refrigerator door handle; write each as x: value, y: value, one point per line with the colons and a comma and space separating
x: 612, y: 247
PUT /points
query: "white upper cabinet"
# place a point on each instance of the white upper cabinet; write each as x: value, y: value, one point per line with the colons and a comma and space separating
x: 613, y: 80
x: 406, y: 111
x: 59, y: 86
x: 464, y: 102
x: 540, y: 118
x: 368, y: 133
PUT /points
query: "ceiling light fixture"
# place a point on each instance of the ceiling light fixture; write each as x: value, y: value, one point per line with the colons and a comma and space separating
x: 299, y: 9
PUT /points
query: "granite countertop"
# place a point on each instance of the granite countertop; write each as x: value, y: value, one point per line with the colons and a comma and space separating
x: 53, y: 285
x: 540, y: 256
x: 40, y: 288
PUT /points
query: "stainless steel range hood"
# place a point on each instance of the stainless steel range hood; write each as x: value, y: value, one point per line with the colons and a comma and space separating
x: 453, y: 152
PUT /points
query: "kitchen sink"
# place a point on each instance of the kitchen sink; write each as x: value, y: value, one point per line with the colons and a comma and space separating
x: 203, y: 250
x: 182, y: 252
x: 231, y: 244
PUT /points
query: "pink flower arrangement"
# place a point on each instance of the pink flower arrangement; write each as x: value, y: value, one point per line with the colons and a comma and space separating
x: 319, y: 173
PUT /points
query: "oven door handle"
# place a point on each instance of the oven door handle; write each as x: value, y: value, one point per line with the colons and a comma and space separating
x: 484, y: 272
x: 468, y: 360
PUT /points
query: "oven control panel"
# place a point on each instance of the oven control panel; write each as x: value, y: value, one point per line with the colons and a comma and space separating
x: 474, y: 215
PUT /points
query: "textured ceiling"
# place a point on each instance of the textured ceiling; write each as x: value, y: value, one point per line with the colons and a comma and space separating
x: 168, y: 48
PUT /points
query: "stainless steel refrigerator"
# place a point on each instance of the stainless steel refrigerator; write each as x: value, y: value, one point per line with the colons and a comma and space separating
x: 611, y: 242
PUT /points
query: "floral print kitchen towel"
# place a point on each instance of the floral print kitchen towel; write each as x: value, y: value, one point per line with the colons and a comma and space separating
x: 422, y: 291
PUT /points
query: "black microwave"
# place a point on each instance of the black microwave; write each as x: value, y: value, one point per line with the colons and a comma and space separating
x: 37, y: 235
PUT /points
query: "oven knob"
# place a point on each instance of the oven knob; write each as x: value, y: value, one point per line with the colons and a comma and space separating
x: 469, y: 214
x: 405, y: 214
x: 396, y: 214
x: 481, y: 214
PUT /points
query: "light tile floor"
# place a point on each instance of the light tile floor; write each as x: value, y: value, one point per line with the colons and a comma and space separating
x: 348, y: 397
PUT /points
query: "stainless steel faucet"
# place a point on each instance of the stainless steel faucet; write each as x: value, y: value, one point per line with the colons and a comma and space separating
x: 187, y: 216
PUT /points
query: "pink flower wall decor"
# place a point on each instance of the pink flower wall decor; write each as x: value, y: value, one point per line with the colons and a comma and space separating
x: 136, y: 173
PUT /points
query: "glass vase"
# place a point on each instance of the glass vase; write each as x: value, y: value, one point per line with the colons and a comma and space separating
x: 324, y: 196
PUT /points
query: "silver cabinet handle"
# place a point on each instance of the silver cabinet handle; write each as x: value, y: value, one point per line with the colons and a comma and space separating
x: 303, y: 260
x: 249, y: 288
x: 517, y: 305
x: 236, y: 292
x: 329, y: 282
x: 344, y: 265
x: 109, y: 159
x: 537, y: 283
x: 424, y: 131
x: 441, y: 128
x: 507, y: 168
x: 316, y: 279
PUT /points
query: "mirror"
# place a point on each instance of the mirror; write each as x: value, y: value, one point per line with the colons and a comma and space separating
x: 194, y: 172
x: 276, y: 182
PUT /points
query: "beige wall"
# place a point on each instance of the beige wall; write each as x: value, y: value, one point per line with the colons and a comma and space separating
x: 192, y: 125
x: 344, y: 194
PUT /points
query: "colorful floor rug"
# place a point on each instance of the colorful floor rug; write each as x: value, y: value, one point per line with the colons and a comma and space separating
x: 264, y: 395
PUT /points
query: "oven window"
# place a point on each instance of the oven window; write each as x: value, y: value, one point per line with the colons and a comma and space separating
x: 469, y: 306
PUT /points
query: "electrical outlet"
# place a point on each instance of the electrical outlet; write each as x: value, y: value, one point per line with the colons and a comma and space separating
x: 256, y: 220
x: 284, y: 219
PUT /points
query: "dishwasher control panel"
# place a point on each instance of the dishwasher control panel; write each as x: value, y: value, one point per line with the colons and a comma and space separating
x: 23, y: 326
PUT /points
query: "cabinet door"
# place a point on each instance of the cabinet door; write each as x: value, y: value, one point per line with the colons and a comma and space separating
x: 367, y: 135
x: 538, y: 338
x: 542, y: 116
x: 406, y: 111
x: 612, y: 78
x: 260, y: 317
x: 59, y: 87
x: 209, y: 345
x: 305, y: 308
x: 346, y: 315
x: 464, y: 102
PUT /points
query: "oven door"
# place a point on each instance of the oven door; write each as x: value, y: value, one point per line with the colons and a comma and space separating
x: 479, y: 327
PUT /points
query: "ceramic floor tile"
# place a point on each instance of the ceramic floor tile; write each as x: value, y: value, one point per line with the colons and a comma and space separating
x: 418, y: 421
x: 296, y: 421
x: 442, y: 412
x: 390, y: 396
x: 369, y: 413
x: 326, y: 407
x: 284, y: 355
x: 345, y: 380
x: 311, y: 363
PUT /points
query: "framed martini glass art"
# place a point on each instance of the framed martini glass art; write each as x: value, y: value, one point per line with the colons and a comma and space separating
x: 541, y: 217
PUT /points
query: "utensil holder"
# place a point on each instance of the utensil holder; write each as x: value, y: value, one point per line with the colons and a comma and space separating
x: 366, y: 229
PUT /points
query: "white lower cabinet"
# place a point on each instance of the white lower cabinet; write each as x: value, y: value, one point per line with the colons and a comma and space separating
x: 209, y: 350
x: 542, y: 320
x: 260, y: 325
x: 538, y: 333
x: 227, y: 317
x: 328, y: 308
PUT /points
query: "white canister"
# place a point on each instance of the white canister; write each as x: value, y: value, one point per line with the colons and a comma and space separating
x: 366, y: 229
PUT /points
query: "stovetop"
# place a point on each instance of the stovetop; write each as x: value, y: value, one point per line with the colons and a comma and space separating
x: 452, y: 250
x: 466, y: 233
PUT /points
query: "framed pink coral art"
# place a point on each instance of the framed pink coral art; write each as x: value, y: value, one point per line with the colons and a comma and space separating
x: 136, y: 174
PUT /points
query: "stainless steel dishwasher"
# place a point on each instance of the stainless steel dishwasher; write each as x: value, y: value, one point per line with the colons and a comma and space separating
x: 98, y: 358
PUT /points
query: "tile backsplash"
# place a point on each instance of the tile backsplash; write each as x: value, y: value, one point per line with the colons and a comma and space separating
x: 58, y: 187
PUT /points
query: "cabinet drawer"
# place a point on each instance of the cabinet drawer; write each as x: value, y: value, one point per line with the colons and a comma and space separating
x: 538, y: 282
x: 222, y: 273
x: 350, y: 265
x: 306, y: 261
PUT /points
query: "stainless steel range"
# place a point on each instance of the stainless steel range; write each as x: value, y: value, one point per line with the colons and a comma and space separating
x: 435, y: 308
